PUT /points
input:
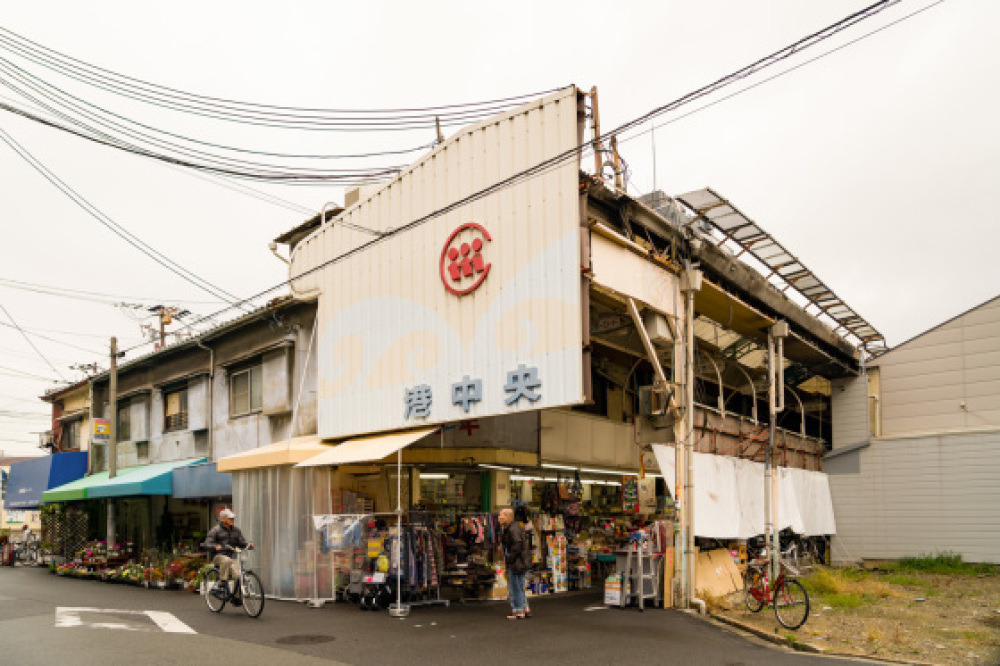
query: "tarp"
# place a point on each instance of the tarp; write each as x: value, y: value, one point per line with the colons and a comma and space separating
x: 155, y: 479
x: 30, y: 478
x: 287, y: 452
x: 366, y: 449
x: 198, y: 481
x: 729, y: 496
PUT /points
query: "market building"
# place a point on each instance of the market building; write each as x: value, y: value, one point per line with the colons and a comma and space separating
x: 508, y: 328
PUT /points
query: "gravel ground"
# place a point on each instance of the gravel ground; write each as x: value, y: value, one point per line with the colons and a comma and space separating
x: 939, y: 619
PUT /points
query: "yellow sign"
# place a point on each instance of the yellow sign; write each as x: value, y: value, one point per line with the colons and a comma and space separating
x: 101, y: 431
x: 374, y: 547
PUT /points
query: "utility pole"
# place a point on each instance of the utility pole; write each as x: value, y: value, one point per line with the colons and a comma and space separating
x: 112, y: 437
x: 776, y: 404
x: 596, y: 130
x: 437, y: 125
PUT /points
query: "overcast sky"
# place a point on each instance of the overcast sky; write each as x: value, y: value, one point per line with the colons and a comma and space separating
x: 876, y: 165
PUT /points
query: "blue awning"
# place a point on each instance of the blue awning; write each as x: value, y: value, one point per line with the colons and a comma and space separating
x: 198, y: 481
x: 30, y: 478
x: 155, y: 479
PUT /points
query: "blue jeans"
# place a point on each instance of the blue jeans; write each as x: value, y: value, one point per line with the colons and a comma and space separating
x: 515, y: 592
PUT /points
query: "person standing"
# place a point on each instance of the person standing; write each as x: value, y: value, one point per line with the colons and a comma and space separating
x: 516, y: 558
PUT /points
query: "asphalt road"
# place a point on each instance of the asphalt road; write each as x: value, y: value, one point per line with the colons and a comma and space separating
x: 116, y: 624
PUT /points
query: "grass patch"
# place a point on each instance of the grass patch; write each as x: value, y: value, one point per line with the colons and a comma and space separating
x: 942, y: 563
x: 905, y: 580
x: 843, y: 601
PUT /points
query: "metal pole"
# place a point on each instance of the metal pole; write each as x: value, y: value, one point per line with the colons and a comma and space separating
x: 689, y: 441
x: 768, y: 471
x: 690, y: 283
x: 596, y: 121
x: 112, y: 437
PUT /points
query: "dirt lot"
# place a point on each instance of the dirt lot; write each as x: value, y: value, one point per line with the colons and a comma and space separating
x: 896, y: 614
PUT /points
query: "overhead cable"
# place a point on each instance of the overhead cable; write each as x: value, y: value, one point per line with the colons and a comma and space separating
x: 30, y: 342
x: 116, y: 228
x: 575, y: 152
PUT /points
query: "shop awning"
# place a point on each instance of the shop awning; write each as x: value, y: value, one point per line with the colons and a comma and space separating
x: 366, y: 449
x: 155, y: 479
x: 198, y: 481
x: 75, y: 490
x: 30, y: 478
x: 287, y: 452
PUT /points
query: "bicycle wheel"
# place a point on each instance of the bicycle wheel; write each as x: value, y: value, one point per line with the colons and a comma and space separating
x: 791, y: 604
x: 751, y: 589
x: 212, y: 582
x: 253, y: 594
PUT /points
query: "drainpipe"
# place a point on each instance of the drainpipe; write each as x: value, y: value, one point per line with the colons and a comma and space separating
x: 690, y: 283
x: 211, y: 398
x: 302, y: 379
x: 776, y: 402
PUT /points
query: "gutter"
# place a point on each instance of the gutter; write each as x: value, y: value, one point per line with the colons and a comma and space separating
x: 211, y: 396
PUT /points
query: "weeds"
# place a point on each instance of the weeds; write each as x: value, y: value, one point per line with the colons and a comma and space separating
x: 942, y: 563
x: 843, y: 601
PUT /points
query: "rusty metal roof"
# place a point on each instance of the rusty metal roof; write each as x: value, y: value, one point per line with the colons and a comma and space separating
x: 783, y: 269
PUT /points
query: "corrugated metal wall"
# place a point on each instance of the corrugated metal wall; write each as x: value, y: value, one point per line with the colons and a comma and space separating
x: 387, y: 321
x: 919, y: 496
x: 926, y: 380
x: 849, y: 407
x: 925, y: 486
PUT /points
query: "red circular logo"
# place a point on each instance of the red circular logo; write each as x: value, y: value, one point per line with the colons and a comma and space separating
x: 462, y: 265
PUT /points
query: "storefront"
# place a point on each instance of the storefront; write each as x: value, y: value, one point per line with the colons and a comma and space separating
x: 147, y: 516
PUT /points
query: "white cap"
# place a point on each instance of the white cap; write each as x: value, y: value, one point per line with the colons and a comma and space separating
x: 227, y: 514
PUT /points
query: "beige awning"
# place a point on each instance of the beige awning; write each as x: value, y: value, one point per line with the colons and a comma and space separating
x: 287, y: 452
x: 366, y: 449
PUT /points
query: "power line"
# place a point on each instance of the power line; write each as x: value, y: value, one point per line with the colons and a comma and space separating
x: 33, y: 346
x: 70, y: 63
x: 28, y: 375
x: 791, y: 69
x: 575, y: 152
x: 92, y: 296
x: 116, y: 228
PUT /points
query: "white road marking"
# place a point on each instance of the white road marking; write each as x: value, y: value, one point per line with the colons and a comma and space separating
x: 594, y: 608
x: 168, y: 623
x: 70, y: 617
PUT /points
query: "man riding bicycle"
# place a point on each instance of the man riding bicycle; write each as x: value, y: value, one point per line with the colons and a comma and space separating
x: 221, y: 540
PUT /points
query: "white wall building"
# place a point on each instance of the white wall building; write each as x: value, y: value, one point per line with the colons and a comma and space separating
x: 916, y: 446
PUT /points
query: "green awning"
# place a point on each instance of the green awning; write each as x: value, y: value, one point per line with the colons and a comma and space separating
x: 74, y: 490
x: 155, y: 479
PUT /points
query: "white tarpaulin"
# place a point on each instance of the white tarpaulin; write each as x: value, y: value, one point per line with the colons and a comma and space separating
x: 729, y: 496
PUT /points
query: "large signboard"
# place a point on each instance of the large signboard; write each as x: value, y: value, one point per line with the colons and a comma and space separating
x: 474, y: 309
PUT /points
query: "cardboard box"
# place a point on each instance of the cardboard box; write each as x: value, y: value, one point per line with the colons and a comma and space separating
x: 716, y: 573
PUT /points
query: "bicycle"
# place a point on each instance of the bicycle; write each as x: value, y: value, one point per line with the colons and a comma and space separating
x: 26, y: 552
x: 248, y: 592
x: 789, y: 598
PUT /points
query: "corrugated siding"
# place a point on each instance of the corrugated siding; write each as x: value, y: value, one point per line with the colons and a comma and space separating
x: 921, y: 496
x: 386, y: 321
x: 926, y: 380
x: 849, y: 406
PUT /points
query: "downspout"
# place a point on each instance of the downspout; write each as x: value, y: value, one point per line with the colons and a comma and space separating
x: 211, y: 398
x: 690, y: 283
x: 302, y: 379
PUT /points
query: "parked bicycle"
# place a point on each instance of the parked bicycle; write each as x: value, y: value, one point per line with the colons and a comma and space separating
x: 789, y: 598
x: 26, y: 552
x: 246, y: 590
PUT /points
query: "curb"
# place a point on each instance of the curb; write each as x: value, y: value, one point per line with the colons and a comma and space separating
x: 772, y: 638
x: 808, y: 647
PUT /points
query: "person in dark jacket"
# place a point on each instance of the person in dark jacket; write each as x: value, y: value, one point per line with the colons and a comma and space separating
x: 221, y: 540
x: 516, y: 559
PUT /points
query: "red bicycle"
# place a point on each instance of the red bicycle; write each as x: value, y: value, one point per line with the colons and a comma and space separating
x: 789, y: 598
